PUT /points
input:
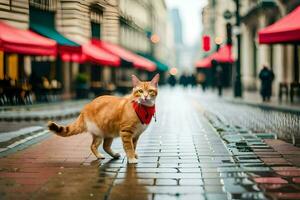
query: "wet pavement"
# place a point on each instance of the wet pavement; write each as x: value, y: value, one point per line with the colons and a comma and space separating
x: 286, y: 125
x: 186, y: 154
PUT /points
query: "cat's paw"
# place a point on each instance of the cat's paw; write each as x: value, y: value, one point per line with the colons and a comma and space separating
x: 132, y: 160
x: 136, y: 156
x: 116, y: 156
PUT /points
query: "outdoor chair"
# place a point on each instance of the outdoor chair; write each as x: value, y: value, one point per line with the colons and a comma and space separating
x: 294, y: 90
x: 283, y: 90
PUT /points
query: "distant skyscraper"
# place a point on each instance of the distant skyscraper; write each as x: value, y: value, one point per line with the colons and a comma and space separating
x: 177, y: 25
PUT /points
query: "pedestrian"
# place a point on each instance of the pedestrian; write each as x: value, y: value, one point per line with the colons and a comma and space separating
x: 183, y: 80
x: 201, y: 78
x: 172, y: 80
x: 192, y: 80
x: 266, y: 76
x: 219, y: 79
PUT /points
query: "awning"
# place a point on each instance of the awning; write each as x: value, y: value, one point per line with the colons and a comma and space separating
x: 223, y: 55
x: 285, y: 30
x: 69, y: 50
x: 15, y: 40
x: 204, y: 63
x: 138, y: 61
x: 160, y: 66
x: 95, y: 54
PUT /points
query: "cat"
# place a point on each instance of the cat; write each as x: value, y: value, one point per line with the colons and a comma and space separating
x: 107, y: 117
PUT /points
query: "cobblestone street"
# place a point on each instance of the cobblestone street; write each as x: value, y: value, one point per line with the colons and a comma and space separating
x: 184, y: 155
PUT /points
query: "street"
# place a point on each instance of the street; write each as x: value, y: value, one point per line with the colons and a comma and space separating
x: 199, y: 148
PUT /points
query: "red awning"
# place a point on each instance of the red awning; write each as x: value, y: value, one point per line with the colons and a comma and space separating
x: 138, y: 61
x: 98, y: 55
x: 223, y: 55
x: 70, y: 53
x: 285, y: 30
x: 15, y: 40
x: 204, y: 63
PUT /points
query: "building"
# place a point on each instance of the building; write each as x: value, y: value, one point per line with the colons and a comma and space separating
x: 215, y: 27
x: 176, y: 24
x: 79, y: 20
x: 138, y: 26
x: 143, y: 29
x: 214, y: 23
x: 255, y: 16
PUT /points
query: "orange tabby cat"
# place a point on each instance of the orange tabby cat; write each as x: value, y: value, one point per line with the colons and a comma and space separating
x: 107, y: 117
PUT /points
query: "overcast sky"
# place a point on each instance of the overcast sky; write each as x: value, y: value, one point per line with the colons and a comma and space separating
x: 190, y: 11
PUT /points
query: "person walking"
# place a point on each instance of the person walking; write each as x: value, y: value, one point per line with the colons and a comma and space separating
x: 183, y: 80
x: 219, y: 79
x: 266, y: 77
x: 172, y: 80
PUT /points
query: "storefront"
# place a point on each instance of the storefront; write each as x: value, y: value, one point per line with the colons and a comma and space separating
x: 206, y: 68
x: 286, y: 31
x: 17, y: 47
x: 130, y: 64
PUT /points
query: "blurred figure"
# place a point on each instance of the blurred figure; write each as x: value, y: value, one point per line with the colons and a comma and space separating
x: 219, y: 79
x: 172, y: 80
x: 192, y: 80
x: 266, y: 76
x: 201, y: 78
x: 183, y: 80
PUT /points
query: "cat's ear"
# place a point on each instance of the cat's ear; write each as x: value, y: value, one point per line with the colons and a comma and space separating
x: 135, y: 80
x: 155, y: 80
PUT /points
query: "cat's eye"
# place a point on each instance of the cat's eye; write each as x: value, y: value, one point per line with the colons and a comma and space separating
x: 140, y: 91
x: 151, y: 91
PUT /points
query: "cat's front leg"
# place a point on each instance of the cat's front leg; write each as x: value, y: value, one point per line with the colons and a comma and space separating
x: 126, y: 137
x: 135, y: 140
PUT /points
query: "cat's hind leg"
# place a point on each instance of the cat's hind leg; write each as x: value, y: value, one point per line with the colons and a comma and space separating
x: 94, y: 146
x: 107, y: 148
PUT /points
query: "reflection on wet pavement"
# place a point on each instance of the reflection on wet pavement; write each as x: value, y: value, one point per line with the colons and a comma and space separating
x: 181, y: 156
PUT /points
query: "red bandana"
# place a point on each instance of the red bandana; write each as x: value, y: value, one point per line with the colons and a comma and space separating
x: 145, y: 113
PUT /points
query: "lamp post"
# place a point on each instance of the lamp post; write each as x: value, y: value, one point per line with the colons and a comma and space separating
x: 237, y: 81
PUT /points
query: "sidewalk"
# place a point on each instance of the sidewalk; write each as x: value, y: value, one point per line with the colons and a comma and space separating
x: 181, y: 156
x: 13, y: 118
x: 254, y: 99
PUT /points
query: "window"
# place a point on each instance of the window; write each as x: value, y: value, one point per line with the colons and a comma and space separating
x: 49, y: 5
x: 96, y: 17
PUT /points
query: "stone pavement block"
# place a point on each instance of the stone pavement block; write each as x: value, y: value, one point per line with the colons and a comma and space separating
x: 166, y: 182
x: 285, y: 195
x: 163, y: 175
x: 214, y: 188
x: 179, y: 197
x: 271, y: 180
x: 214, y: 196
x: 289, y: 173
x: 191, y: 182
x: 188, y: 170
x: 136, y: 182
x: 175, y: 189
x: 275, y: 161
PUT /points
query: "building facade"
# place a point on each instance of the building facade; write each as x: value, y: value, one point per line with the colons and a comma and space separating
x: 176, y: 25
x: 214, y: 23
x: 128, y: 23
x: 255, y: 15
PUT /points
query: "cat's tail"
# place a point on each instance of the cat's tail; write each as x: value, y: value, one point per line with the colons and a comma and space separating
x: 74, y: 128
